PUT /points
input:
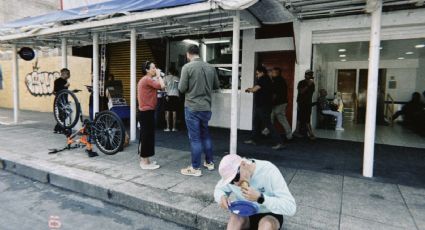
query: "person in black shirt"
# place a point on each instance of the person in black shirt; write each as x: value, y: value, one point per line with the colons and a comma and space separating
x: 263, y: 96
x: 280, y: 101
x: 60, y: 84
x: 304, y: 99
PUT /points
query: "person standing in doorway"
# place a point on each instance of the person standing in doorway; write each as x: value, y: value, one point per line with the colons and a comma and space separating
x: 60, y: 84
x: 280, y: 101
x: 172, y: 99
x: 146, y: 89
x: 263, y: 96
x: 306, y: 89
x: 198, y: 80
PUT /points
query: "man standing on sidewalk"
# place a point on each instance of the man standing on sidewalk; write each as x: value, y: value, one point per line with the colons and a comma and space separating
x: 197, y: 81
x: 280, y: 101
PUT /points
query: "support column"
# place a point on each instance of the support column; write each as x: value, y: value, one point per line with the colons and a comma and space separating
x: 95, y: 74
x: 64, y: 51
x: 372, y: 89
x: 235, y: 84
x: 15, y: 75
x: 133, y: 85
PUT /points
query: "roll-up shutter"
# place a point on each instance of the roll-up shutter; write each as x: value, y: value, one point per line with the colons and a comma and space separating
x: 119, y: 62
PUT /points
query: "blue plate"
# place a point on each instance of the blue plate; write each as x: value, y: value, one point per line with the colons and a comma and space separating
x: 243, y: 208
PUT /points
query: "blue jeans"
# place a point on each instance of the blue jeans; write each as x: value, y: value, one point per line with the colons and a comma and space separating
x: 199, y: 136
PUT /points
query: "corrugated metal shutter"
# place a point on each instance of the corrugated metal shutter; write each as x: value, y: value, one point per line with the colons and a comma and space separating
x: 119, y: 62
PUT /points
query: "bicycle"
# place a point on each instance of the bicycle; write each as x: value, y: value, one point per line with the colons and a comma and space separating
x: 106, y: 130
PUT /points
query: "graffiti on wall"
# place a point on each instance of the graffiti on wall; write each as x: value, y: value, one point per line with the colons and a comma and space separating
x: 41, y: 83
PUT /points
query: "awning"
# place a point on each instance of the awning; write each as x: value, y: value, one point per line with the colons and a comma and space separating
x: 151, y: 18
x: 104, y: 8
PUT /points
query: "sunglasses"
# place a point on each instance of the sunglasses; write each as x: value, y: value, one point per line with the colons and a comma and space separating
x: 237, y: 177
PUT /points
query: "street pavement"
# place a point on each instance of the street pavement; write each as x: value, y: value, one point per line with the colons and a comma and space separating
x: 327, y: 197
x: 28, y: 204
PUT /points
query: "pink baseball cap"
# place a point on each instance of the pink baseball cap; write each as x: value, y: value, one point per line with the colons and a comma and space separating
x: 228, y: 168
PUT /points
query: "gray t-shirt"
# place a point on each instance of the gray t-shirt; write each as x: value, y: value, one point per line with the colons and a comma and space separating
x: 198, y: 80
x: 171, y: 85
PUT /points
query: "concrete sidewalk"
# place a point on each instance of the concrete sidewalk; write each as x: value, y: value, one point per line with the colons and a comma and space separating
x: 324, y: 200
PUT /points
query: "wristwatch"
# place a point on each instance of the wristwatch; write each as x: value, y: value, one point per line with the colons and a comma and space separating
x: 260, y: 199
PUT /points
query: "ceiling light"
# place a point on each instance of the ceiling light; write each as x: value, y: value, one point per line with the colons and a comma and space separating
x: 380, y: 48
x: 217, y: 41
x: 400, y: 58
x: 192, y: 42
x: 342, y: 50
x: 342, y: 55
x: 409, y: 53
x: 343, y: 60
x: 419, y: 46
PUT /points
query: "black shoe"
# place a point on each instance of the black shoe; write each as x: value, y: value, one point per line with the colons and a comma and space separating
x: 91, y: 153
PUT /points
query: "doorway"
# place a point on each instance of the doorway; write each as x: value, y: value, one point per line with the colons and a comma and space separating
x: 284, y: 60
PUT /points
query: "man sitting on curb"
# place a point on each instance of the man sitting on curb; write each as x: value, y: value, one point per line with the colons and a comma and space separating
x: 256, y: 181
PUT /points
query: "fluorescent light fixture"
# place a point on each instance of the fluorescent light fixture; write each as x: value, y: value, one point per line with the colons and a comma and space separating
x: 342, y: 50
x: 192, y: 42
x: 224, y: 69
x: 400, y: 58
x: 419, y: 46
x: 380, y: 48
x: 409, y: 53
x: 343, y: 60
x: 217, y: 41
x: 342, y: 55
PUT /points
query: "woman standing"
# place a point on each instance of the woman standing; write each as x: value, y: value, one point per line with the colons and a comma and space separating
x: 147, y: 87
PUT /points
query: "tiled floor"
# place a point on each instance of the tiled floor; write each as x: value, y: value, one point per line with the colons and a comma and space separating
x: 389, y: 135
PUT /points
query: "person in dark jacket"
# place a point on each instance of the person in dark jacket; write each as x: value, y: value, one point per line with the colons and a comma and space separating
x: 263, y: 96
x: 280, y: 101
x: 306, y: 89
x: 60, y: 84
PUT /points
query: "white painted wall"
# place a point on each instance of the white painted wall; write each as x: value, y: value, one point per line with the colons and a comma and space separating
x: 404, y: 71
x: 420, y: 80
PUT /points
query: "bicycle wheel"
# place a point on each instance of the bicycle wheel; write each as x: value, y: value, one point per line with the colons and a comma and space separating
x: 109, y: 132
x: 66, y: 109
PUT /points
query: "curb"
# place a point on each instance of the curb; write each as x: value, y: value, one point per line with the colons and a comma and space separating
x: 178, y: 208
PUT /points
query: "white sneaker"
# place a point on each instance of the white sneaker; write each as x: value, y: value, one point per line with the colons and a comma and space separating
x: 150, y: 166
x: 190, y: 171
x: 339, y: 129
x: 209, y: 166
x: 175, y: 130
x: 166, y: 130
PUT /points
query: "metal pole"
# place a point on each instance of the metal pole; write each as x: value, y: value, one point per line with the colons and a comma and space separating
x: 372, y: 88
x: 133, y: 85
x: 235, y: 84
x: 64, y: 54
x: 15, y: 75
x: 95, y: 73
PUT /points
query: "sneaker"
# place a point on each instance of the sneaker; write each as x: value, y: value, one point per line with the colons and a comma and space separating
x: 265, y: 132
x: 278, y: 146
x: 150, y: 166
x: 209, y: 166
x: 312, y: 137
x: 90, y: 153
x: 167, y: 130
x: 190, y: 171
x: 175, y: 130
x: 251, y: 142
x: 339, y: 129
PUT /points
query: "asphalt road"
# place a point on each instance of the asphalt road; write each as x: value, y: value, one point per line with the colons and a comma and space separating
x: 28, y: 204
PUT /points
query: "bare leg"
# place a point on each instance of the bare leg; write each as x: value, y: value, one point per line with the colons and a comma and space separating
x: 167, y: 119
x: 310, y: 132
x: 237, y: 222
x: 174, y: 119
x: 268, y: 223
